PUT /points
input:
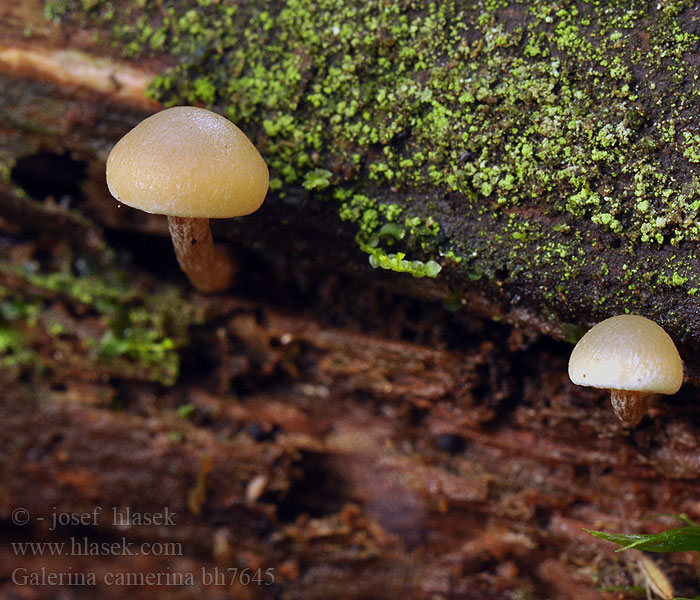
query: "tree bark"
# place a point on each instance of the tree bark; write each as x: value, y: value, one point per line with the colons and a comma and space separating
x: 354, y: 433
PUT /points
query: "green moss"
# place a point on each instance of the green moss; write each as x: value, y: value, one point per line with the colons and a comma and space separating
x: 56, y: 9
x: 380, y: 226
x: 318, y: 179
x: 505, y: 105
x: 137, y: 334
x: 14, y: 352
x: 14, y: 312
x: 145, y: 346
x: 186, y: 411
x: 378, y: 258
x: 204, y: 91
x: 10, y: 339
x: 572, y: 333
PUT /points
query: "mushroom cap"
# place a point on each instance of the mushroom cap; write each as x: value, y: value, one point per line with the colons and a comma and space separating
x: 627, y: 352
x: 188, y: 162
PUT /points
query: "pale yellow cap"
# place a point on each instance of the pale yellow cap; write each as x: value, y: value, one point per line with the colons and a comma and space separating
x: 627, y: 352
x: 188, y: 162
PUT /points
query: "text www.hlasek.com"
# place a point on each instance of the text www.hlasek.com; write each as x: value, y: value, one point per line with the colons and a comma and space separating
x: 78, y: 546
x: 84, y: 547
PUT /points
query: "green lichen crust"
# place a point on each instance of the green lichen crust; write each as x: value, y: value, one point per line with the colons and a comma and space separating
x: 547, y: 147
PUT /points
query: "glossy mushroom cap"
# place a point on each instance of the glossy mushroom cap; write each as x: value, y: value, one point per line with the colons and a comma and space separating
x: 188, y: 162
x: 627, y: 352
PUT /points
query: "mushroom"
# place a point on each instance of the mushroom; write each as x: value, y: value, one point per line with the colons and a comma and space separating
x: 192, y: 165
x: 631, y: 356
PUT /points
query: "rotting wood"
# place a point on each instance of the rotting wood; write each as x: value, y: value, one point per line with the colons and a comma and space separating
x: 341, y: 427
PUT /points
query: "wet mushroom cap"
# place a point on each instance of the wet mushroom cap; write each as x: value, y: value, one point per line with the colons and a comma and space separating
x: 627, y: 352
x: 188, y: 162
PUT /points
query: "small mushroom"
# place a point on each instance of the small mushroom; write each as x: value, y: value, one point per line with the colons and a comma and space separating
x: 631, y: 356
x: 192, y: 165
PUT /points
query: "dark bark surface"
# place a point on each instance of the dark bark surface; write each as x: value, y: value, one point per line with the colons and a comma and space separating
x: 346, y: 431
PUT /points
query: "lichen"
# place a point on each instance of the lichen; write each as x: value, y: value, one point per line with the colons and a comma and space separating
x: 584, y: 111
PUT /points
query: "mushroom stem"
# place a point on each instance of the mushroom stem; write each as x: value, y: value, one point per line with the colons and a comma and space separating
x: 208, y: 267
x: 630, y: 406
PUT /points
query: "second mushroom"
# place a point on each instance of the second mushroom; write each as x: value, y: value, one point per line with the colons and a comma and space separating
x: 631, y: 356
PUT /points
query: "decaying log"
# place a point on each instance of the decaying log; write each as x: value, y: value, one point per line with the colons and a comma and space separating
x: 353, y: 433
x: 605, y: 221
x: 352, y: 465
x: 366, y: 463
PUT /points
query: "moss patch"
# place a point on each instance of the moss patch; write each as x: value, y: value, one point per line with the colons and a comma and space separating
x: 121, y: 330
x: 584, y: 110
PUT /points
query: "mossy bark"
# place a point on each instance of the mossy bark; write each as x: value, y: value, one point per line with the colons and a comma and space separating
x: 360, y: 432
x: 542, y: 155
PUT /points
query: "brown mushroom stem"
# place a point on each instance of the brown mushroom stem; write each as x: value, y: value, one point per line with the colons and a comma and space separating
x: 630, y: 406
x: 208, y: 267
